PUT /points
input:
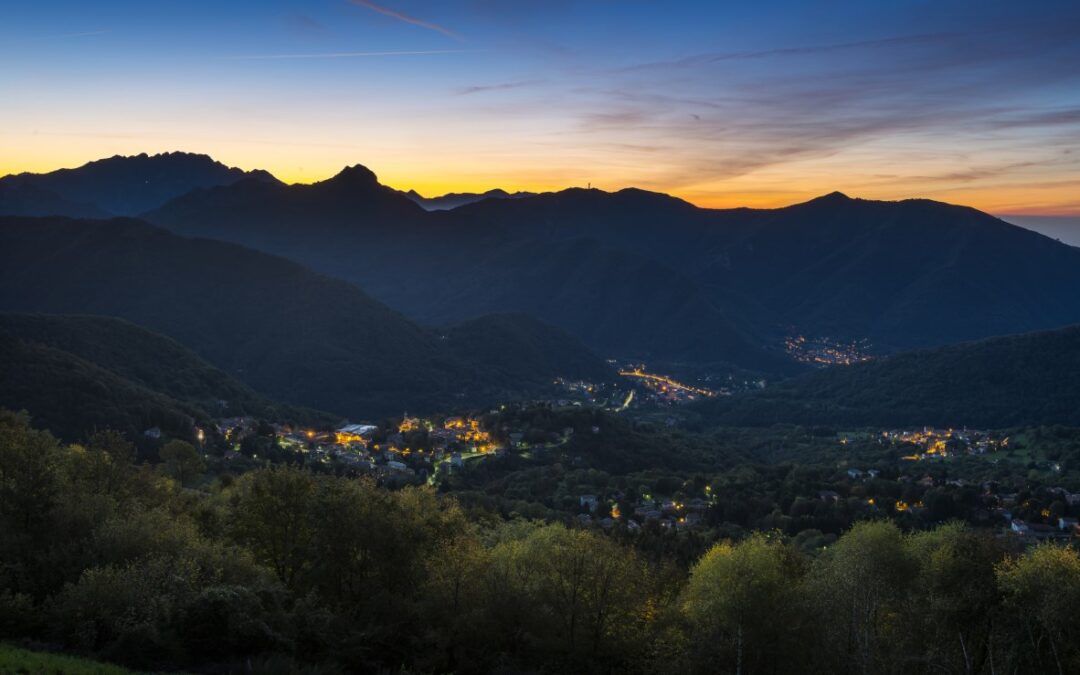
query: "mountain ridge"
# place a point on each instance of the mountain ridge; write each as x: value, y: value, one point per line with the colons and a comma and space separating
x: 293, y: 335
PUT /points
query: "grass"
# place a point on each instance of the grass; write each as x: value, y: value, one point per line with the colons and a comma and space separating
x: 17, y: 661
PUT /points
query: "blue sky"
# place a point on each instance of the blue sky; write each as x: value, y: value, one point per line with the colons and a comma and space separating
x: 758, y: 103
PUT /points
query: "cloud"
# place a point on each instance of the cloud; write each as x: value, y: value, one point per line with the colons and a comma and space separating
x: 386, y: 11
x: 304, y: 24
x: 699, y: 59
x: 481, y: 88
x: 970, y: 103
x: 350, y: 55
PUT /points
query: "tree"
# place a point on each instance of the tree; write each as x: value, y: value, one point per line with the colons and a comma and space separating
x: 182, y: 461
x: 952, y: 610
x: 29, y: 480
x: 591, y: 588
x: 743, y: 604
x: 271, y: 514
x: 860, y: 583
x: 1042, y: 592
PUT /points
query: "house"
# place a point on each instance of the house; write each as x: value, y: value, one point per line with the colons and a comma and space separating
x: 153, y: 432
x: 1067, y: 524
x: 873, y: 473
x: 516, y: 439
x: 828, y: 496
x: 456, y: 460
x: 1020, y: 527
x: 589, y: 501
x: 854, y: 474
x: 357, y: 429
x: 397, y: 466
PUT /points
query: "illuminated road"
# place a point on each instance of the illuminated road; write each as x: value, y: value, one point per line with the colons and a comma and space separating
x: 664, y: 380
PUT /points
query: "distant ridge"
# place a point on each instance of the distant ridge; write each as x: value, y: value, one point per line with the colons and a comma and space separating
x: 452, y: 200
x: 123, y: 185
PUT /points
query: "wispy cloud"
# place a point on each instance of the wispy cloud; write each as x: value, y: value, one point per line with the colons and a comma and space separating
x: 350, y: 55
x: 502, y: 86
x: 699, y: 59
x: 400, y: 16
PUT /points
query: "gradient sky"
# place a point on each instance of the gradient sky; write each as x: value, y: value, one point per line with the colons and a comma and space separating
x: 723, y: 103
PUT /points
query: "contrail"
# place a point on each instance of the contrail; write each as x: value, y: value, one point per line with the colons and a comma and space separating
x: 349, y: 55
x: 406, y: 18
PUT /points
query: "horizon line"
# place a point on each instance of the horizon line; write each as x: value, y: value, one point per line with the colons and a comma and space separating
x: 1034, y: 212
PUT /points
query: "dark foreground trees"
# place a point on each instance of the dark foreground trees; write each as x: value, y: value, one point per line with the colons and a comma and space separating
x: 280, y: 570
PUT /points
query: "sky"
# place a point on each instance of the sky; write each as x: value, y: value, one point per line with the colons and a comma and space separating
x: 722, y: 103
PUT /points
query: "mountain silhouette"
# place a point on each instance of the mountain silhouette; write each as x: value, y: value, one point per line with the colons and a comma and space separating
x: 290, y: 334
x: 646, y: 275
x: 452, y: 200
x: 124, y: 186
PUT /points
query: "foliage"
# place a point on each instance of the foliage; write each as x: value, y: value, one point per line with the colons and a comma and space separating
x: 286, y: 570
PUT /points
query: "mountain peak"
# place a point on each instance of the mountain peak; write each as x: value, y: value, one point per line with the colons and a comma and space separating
x: 357, y: 174
x: 835, y: 197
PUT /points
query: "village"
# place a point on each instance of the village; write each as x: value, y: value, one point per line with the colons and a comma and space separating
x: 823, y: 351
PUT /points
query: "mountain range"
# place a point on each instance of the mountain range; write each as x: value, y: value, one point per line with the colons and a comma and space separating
x: 292, y: 335
x: 645, y: 275
x: 632, y: 274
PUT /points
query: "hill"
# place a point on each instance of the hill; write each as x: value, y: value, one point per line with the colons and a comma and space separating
x: 27, y: 199
x: 121, y: 186
x: 449, y: 266
x: 77, y: 373
x: 994, y: 383
x: 452, y: 200
x: 542, y: 352
x: 292, y: 335
x: 681, y: 283
x: 71, y: 396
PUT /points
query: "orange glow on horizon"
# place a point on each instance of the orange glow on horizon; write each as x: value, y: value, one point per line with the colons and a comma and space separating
x: 769, y: 188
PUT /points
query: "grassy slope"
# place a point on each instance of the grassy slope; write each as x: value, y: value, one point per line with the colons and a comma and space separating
x: 16, y: 660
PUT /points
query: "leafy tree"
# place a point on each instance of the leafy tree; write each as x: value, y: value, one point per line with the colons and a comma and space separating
x: 271, y: 515
x: 744, y: 605
x: 182, y: 461
x: 1042, y: 591
x: 954, y: 605
x: 860, y: 584
x: 29, y: 483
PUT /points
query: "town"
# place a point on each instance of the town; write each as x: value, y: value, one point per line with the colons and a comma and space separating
x: 823, y: 351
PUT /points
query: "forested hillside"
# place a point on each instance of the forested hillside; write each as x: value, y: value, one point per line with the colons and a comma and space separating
x: 1025, y: 379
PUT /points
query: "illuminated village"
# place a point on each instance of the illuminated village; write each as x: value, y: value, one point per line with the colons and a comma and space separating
x: 930, y: 443
x: 823, y: 351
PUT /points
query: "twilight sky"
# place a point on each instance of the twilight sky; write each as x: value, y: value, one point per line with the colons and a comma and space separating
x: 722, y: 103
